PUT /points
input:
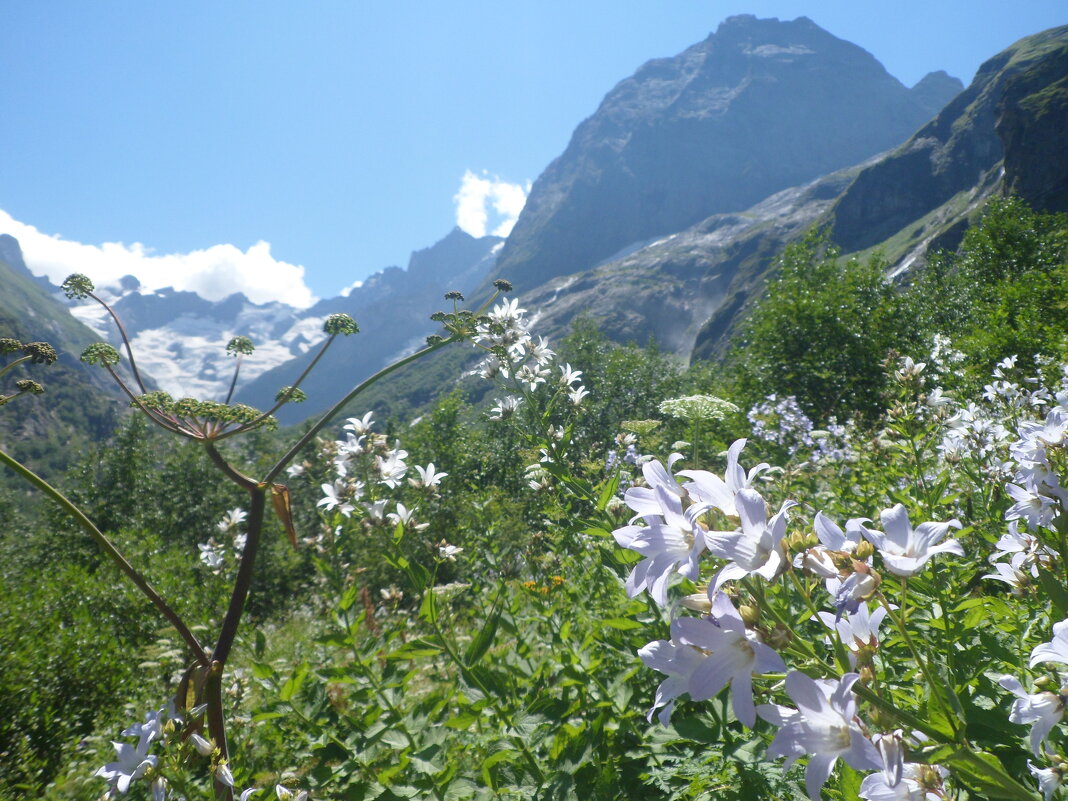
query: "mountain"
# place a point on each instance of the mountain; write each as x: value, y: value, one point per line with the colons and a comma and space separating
x: 79, y: 402
x: 759, y: 106
x: 179, y: 338
x: 393, y: 308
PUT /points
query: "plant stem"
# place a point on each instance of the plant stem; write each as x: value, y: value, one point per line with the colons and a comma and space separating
x: 113, y: 553
x: 125, y: 341
x: 337, y: 407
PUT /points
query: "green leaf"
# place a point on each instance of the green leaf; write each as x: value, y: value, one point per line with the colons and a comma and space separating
x: 349, y: 598
x: 294, y: 683
x: 414, y: 650
x: 607, y: 492
x: 484, y: 639
x: 492, y: 760
x: 260, y: 644
x: 1056, y: 590
x: 623, y: 623
x: 983, y: 775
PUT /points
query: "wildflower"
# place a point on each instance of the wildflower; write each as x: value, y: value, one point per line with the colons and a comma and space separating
x: 918, y: 783
x: 1054, y: 651
x: 391, y: 467
x: 406, y: 517
x: 668, y: 545
x: 231, y: 520
x: 706, y: 654
x: 1049, y: 779
x: 825, y: 726
x: 698, y: 407
x: 211, y: 554
x: 569, y: 376
x: 709, y: 491
x: 448, y: 552
x: 505, y: 408
x: 577, y: 395
x: 755, y: 547
x: 428, y: 476
x: 133, y: 761
x: 334, y: 497
x: 1036, y: 509
x: 1042, y: 710
x: 905, y: 549
x: 859, y: 632
x: 359, y: 425
x: 834, y: 542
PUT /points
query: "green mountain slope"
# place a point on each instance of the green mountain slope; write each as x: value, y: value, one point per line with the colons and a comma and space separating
x: 78, y: 405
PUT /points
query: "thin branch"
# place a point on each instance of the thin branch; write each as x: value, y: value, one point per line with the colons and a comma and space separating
x: 341, y: 404
x: 232, y: 473
x: 233, y: 381
x: 14, y: 364
x: 125, y: 341
x: 278, y: 405
x: 111, y: 551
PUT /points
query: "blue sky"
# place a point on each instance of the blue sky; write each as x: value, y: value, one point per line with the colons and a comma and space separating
x: 245, y: 140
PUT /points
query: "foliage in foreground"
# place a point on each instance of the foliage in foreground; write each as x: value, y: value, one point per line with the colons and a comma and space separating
x: 477, y: 627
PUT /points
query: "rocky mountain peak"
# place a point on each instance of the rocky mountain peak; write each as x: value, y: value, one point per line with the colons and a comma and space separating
x: 757, y: 107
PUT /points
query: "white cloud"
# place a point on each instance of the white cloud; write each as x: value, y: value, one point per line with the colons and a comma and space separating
x: 348, y: 290
x: 486, y: 204
x: 213, y: 273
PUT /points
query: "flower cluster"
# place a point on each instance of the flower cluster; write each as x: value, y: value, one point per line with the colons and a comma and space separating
x: 169, y: 734
x: 213, y: 552
x: 519, y: 363
x: 685, y: 522
x: 364, y: 461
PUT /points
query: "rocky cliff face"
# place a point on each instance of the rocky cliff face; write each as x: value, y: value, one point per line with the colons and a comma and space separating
x: 1032, y: 122
x: 955, y: 150
x: 759, y: 106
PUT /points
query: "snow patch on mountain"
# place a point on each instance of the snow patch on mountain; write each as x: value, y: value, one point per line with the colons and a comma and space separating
x: 185, y: 352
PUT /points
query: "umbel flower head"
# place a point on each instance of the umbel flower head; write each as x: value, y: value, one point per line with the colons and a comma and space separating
x: 698, y: 407
x: 240, y: 346
x: 340, y: 324
x: 77, y: 286
x: 100, y: 353
x: 40, y: 352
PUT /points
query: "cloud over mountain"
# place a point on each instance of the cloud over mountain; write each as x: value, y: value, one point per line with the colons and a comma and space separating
x: 487, y: 205
x: 214, y: 272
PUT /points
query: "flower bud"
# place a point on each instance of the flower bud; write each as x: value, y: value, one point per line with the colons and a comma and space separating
x: 750, y: 614
x: 453, y: 294
x: 9, y: 345
x: 864, y: 549
x: 503, y: 285
x: 779, y: 637
x: 202, y: 746
x: 100, y: 353
x: 291, y: 395
x: 28, y: 385
x: 40, y: 352
x: 867, y: 674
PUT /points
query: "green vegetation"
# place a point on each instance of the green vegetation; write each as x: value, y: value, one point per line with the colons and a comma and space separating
x: 470, y: 635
